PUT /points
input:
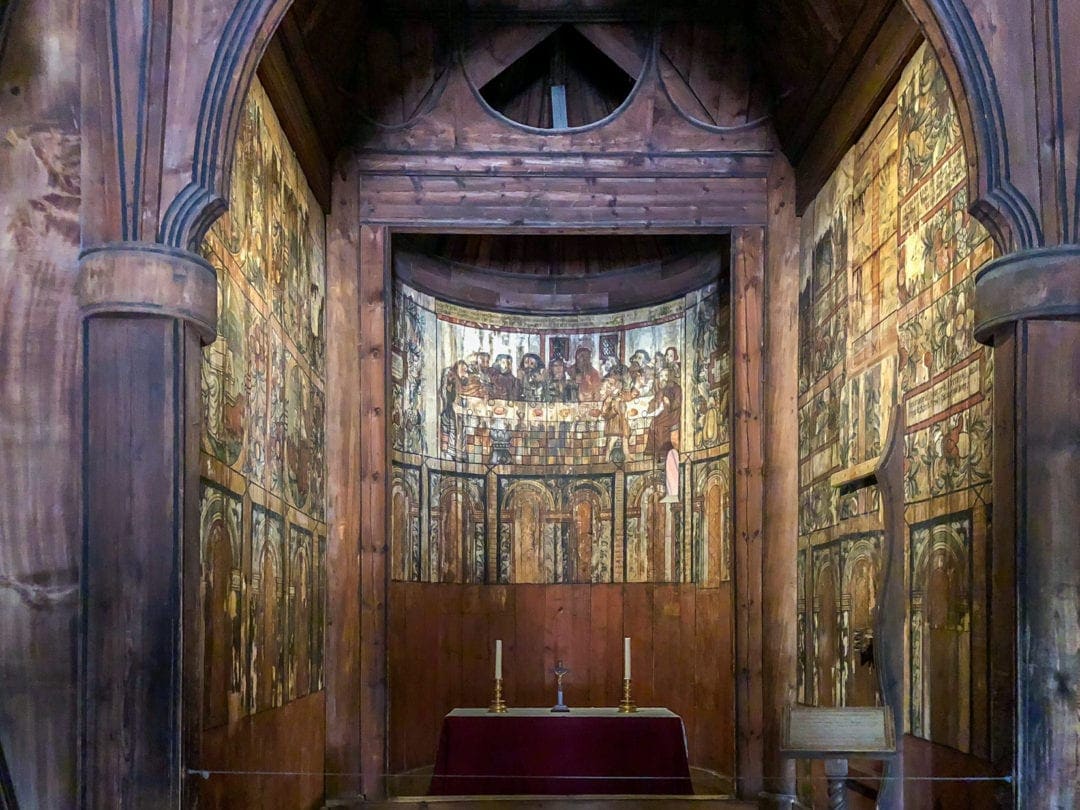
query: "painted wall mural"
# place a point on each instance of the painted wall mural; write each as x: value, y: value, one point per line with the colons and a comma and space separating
x: 577, y: 448
x: 888, y: 261
x: 263, y: 516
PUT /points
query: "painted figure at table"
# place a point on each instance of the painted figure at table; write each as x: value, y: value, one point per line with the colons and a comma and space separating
x: 584, y: 376
x: 533, y: 378
x: 504, y: 385
x: 665, y: 409
x: 558, y: 384
x: 480, y: 368
x: 451, y: 387
x: 613, y: 412
x: 671, y: 362
x: 640, y: 372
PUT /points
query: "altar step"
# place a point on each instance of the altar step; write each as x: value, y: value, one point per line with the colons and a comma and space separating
x: 552, y: 803
x: 408, y: 790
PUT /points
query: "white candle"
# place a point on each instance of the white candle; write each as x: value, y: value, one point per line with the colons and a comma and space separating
x: 498, y: 659
x: 626, y: 658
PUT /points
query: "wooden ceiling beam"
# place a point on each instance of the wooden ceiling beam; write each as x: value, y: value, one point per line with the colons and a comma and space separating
x: 859, y: 98
x: 803, y: 111
x: 617, y: 43
x: 323, y: 96
x: 291, y: 105
x: 498, y: 49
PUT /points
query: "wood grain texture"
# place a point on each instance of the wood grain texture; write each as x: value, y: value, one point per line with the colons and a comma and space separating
x: 373, y: 295
x: 781, y: 476
x: 40, y: 400
x: 748, y: 283
x: 646, y: 167
x: 343, y: 477
x: 275, y: 759
x: 442, y: 656
x: 872, y: 76
x: 132, y: 555
x: 1001, y: 640
x: 1047, y: 560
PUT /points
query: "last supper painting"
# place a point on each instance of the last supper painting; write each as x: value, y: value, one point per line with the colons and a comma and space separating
x: 539, y: 404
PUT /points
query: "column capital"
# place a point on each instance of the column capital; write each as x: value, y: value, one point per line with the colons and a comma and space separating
x: 152, y: 279
x: 1029, y: 284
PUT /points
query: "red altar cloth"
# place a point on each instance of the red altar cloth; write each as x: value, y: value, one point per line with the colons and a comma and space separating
x: 585, y: 751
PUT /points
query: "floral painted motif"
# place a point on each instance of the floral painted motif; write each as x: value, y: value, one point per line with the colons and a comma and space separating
x: 906, y: 324
x: 263, y: 423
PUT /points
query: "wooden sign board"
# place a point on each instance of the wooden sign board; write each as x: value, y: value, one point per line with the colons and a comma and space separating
x: 813, y: 732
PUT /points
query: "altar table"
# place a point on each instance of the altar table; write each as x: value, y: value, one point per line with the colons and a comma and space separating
x: 583, y: 751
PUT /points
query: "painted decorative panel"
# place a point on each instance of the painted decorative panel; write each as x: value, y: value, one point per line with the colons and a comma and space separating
x: 569, y: 439
x: 266, y: 611
x: 555, y: 529
x: 263, y: 431
x: 889, y: 256
x: 221, y: 528
x: 940, y: 630
x: 457, y: 527
x: 711, y: 524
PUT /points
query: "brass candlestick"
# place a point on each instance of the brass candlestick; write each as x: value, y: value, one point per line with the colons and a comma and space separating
x: 626, y: 705
x: 498, y: 705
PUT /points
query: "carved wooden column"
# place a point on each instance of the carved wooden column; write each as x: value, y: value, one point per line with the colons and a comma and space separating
x: 781, y: 477
x: 146, y: 309
x: 1012, y: 74
x: 1028, y: 307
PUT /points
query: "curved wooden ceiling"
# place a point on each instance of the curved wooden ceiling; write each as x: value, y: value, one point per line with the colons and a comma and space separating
x: 559, y: 273
x: 823, y: 66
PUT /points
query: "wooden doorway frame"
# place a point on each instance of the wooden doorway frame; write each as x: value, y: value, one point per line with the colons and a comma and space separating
x: 358, y: 477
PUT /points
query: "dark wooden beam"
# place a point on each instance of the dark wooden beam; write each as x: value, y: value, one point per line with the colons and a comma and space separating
x: 802, y: 112
x: 313, y: 145
x: 617, y: 43
x: 855, y: 102
x: 498, y: 49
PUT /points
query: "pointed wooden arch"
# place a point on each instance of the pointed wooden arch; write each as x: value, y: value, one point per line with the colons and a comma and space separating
x: 994, y: 200
x: 204, y: 198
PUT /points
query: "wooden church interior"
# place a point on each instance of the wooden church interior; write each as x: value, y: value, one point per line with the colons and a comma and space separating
x: 721, y: 327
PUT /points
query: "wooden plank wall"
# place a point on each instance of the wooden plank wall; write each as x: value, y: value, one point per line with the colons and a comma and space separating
x: 258, y: 748
x: 748, y: 254
x: 442, y: 641
x: 343, y: 492
x: 374, y: 476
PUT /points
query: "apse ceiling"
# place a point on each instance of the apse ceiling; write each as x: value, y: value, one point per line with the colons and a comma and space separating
x: 537, y: 273
x: 819, y: 66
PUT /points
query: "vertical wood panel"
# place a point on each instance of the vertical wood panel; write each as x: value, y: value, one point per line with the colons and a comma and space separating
x: 343, y: 492
x: 399, y: 667
x: 666, y: 645
x: 638, y: 625
x: 1002, y: 610
x: 748, y: 287
x: 525, y: 672
x: 781, y: 473
x: 192, y: 627
x: 682, y: 656
x: 599, y: 652
x: 374, y: 475
x: 477, y: 646
x: 135, y: 411
x: 712, y: 730
x: 1048, y: 562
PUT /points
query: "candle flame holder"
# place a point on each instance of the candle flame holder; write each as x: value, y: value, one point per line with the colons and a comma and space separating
x: 498, y: 705
x: 626, y: 705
